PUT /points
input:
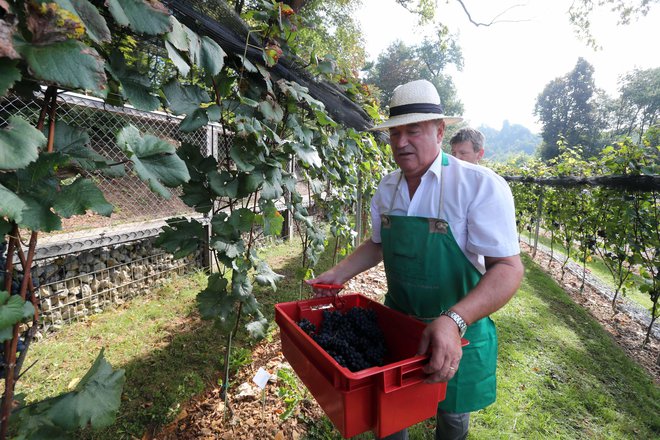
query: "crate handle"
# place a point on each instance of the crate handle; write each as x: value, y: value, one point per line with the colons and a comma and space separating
x: 403, y: 376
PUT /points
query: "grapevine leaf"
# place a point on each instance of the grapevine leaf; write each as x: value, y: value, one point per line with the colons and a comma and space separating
x: 94, y: 401
x: 19, y: 144
x: 135, y: 87
x: 240, y: 284
x: 258, y: 328
x: 38, y: 216
x: 223, y: 184
x: 184, y: 99
x: 177, y: 37
x: 197, y: 119
x: 214, y: 112
x: 154, y: 160
x: 7, y: 30
x: 11, y: 312
x: 249, y: 183
x: 70, y: 64
x: 266, y: 277
x: 242, y: 157
x: 95, y: 24
x: 273, y: 220
x: 143, y: 16
x: 73, y: 142
x: 241, y: 219
x: 11, y: 205
x: 214, y: 301
x: 222, y: 228
x: 197, y: 196
x: 181, y: 237
x: 179, y: 61
x: 271, y: 110
x: 229, y: 248
x: 9, y: 74
x: 307, y: 153
x: 198, y: 165
x: 80, y: 196
x: 211, y: 56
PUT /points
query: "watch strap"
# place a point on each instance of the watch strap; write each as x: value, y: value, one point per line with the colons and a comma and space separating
x: 460, y: 322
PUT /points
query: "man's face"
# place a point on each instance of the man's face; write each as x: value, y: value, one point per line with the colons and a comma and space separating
x: 465, y: 151
x: 415, y: 146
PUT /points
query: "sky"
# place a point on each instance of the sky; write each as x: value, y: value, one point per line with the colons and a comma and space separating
x: 508, y: 64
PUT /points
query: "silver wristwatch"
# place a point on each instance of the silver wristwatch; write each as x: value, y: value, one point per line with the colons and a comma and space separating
x: 462, y: 326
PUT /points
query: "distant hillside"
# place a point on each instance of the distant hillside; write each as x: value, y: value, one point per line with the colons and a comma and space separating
x: 509, y: 141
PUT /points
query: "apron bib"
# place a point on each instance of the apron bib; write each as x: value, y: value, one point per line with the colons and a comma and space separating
x: 428, y: 273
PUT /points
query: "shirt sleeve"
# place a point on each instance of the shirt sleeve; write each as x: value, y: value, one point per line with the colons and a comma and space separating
x: 491, y: 220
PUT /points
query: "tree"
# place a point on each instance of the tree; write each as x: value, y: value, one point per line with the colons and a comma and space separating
x: 566, y: 111
x: 511, y: 140
x: 638, y: 107
x: 401, y: 63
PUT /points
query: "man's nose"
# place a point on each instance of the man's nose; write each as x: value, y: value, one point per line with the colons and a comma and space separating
x: 400, y: 141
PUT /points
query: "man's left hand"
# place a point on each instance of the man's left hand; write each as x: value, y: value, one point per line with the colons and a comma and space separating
x: 444, y: 341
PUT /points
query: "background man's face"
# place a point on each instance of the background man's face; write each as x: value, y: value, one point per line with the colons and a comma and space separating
x: 465, y: 151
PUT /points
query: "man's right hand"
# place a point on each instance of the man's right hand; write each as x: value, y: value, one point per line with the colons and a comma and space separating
x: 324, y: 279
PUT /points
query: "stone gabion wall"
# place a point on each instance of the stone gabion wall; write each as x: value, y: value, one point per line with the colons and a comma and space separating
x: 74, y: 286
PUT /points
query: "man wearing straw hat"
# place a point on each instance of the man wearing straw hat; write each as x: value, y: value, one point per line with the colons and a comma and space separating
x: 445, y: 230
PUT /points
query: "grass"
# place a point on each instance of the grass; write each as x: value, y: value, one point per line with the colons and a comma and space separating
x: 599, y: 270
x: 560, y: 375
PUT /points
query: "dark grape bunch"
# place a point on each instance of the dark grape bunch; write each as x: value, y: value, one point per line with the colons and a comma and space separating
x: 353, y: 339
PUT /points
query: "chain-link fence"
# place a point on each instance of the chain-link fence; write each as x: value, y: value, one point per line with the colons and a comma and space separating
x: 132, y: 198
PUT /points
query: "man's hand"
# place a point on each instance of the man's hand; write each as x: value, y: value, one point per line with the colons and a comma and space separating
x: 442, y: 338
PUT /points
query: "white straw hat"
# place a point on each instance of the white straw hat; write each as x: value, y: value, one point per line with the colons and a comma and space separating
x: 415, y: 101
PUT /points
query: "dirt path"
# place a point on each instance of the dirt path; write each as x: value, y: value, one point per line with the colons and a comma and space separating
x: 252, y: 418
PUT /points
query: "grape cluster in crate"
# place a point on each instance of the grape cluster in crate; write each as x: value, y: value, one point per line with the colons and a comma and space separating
x: 353, y: 339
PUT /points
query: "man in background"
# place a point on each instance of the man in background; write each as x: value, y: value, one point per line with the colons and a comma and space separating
x: 468, y: 145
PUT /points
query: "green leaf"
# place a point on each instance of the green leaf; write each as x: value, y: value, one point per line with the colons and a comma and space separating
x: 198, y: 165
x: 37, y: 215
x: 240, y: 284
x: 307, y: 154
x: 214, y: 302
x: 241, y: 219
x: 273, y: 220
x: 94, y: 401
x: 181, y: 237
x: 135, y: 86
x: 177, y: 37
x: 184, y: 99
x: 154, y: 160
x: 266, y: 277
x: 9, y: 74
x: 72, y: 142
x: 197, y: 196
x: 70, y: 64
x: 80, y: 196
x: 211, y: 56
x: 223, y: 184
x: 271, y: 110
x: 19, y: 144
x: 179, y: 61
x: 229, y: 248
x: 5, y: 226
x: 197, y: 119
x: 11, y: 205
x: 249, y: 183
x: 11, y: 312
x: 143, y: 16
x: 95, y: 24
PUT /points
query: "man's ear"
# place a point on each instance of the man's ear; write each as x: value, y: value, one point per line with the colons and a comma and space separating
x: 480, y: 154
x: 441, y: 130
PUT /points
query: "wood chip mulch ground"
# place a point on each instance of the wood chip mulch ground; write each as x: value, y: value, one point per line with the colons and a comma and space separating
x: 248, y: 416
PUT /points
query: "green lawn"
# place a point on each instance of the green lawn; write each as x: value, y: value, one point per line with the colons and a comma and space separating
x: 560, y: 375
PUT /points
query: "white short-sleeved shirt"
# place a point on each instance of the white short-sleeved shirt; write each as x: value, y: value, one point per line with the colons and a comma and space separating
x: 478, y: 205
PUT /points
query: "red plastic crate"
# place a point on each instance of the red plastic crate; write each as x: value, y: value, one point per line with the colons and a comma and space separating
x: 380, y: 399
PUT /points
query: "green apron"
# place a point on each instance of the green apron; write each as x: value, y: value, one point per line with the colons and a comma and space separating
x: 427, y: 273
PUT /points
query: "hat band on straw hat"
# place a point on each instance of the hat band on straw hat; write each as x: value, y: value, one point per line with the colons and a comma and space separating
x: 415, y: 108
